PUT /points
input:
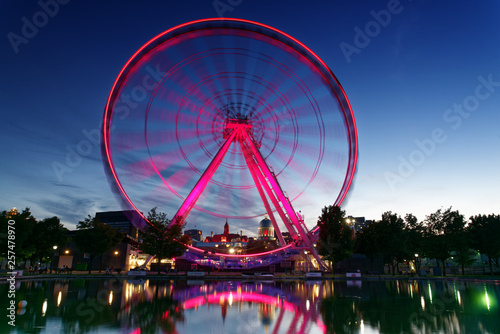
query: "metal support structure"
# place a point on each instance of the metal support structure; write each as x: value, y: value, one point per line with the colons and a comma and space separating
x: 239, y: 131
x: 264, y: 199
x: 190, y: 201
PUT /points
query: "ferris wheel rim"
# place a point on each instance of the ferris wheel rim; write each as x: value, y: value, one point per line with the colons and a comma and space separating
x: 150, y: 45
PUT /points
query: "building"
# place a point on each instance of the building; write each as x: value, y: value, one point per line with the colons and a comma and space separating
x: 226, y: 236
x: 231, y: 243
x: 122, y: 221
x: 124, y: 256
x: 195, y: 235
x: 358, y: 223
x: 266, y: 230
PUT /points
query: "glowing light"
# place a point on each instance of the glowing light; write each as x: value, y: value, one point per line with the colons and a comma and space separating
x: 44, y: 307
x: 308, y: 304
x: 230, y: 299
x: 430, y: 292
x: 362, y: 326
x: 241, y: 297
x: 110, y: 299
x: 59, y: 298
x: 231, y: 251
x: 487, y: 298
x: 422, y: 302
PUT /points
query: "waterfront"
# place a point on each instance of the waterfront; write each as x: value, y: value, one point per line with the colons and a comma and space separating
x: 195, y: 306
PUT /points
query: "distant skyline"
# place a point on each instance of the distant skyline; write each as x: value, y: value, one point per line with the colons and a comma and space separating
x: 423, y: 79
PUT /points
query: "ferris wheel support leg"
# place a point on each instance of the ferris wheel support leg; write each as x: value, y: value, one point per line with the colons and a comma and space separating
x: 321, y: 263
x: 277, y: 326
x: 195, y: 193
x: 277, y: 189
x: 256, y: 180
x: 272, y: 195
x: 148, y: 261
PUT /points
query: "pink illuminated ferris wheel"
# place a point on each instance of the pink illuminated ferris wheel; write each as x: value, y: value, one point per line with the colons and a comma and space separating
x: 228, y: 118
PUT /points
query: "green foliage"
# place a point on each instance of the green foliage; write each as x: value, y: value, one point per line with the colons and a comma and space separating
x: 391, y: 239
x: 48, y: 232
x: 335, y: 235
x: 161, y: 240
x: 414, y: 238
x: 23, y: 236
x: 485, y: 233
x: 96, y: 238
x: 366, y: 242
x: 442, y: 232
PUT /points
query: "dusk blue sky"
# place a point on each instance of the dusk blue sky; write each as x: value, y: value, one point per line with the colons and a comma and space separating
x: 424, y: 86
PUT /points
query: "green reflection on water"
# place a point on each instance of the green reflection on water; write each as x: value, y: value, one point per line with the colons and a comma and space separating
x: 391, y: 306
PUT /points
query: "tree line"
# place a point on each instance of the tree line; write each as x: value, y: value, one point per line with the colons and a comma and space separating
x: 34, y: 239
x: 441, y: 235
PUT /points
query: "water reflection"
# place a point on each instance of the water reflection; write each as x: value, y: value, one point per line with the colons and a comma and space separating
x: 154, y: 306
x: 252, y: 307
x: 413, y: 307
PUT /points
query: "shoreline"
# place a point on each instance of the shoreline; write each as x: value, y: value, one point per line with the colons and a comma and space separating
x: 237, y: 276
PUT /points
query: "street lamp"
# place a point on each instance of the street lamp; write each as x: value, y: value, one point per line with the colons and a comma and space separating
x: 53, y: 256
x: 351, y: 222
x: 416, y: 262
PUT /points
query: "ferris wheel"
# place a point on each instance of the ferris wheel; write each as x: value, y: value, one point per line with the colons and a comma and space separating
x: 229, y: 118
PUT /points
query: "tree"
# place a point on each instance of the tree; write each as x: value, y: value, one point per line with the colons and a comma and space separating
x: 462, y: 246
x: 441, y: 229
x: 96, y: 238
x: 485, y: 233
x: 391, y: 239
x: 459, y: 240
x: 161, y: 240
x: 414, y: 238
x: 23, y: 226
x: 365, y: 242
x: 48, y: 232
x: 335, y: 241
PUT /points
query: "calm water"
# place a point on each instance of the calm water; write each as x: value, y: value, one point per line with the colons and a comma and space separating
x: 119, y: 306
